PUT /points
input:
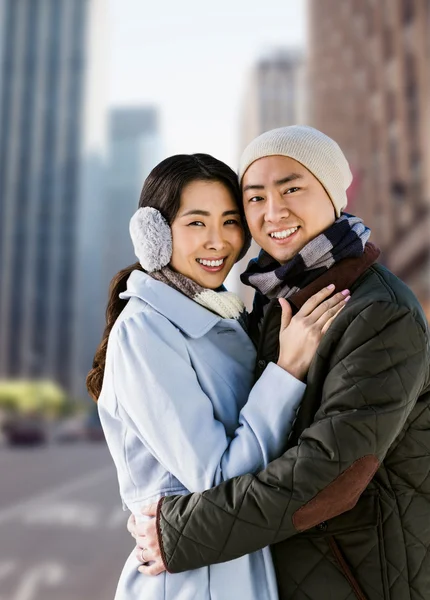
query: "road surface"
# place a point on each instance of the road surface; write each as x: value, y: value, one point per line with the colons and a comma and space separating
x: 62, y: 527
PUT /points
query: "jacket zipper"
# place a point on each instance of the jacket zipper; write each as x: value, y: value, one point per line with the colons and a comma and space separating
x: 334, y: 547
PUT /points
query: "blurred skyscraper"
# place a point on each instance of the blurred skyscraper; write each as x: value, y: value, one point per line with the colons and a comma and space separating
x: 370, y: 90
x: 52, y: 135
x: 134, y: 149
x: 276, y: 96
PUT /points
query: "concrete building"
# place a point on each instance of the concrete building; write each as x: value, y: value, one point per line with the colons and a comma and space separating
x: 276, y: 95
x: 51, y: 138
x: 134, y: 149
x: 370, y: 90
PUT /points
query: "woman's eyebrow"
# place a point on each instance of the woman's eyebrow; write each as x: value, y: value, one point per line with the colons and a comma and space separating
x: 196, y: 211
x: 205, y: 213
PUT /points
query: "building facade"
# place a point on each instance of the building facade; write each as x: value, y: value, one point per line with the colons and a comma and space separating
x: 370, y: 90
x: 134, y: 149
x: 276, y: 95
x: 47, y: 96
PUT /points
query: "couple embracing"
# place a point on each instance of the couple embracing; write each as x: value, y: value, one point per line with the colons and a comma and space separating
x: 283, y: 454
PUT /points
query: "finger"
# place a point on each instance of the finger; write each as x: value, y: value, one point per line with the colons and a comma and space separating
x: 330, y: 321
x: 150, y: 510
x: 315, y: 300
x: 331, y: 312
x: 156, y: 568
x: 141, y: 541
x: 131, y: 525
x: 146, y: 555
x: 141, y: 529
x: 327, y: 305
x: 147, y: 529
x: 287, y: 313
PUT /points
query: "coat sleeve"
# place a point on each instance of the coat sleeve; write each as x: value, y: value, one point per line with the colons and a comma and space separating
x: 376, y: 374
x: 161, y: 400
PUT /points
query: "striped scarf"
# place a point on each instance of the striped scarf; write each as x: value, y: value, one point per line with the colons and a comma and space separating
x: 346, y: 238
x: 225, y: 304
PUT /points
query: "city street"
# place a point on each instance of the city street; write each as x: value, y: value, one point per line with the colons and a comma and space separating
x: 62, y: 527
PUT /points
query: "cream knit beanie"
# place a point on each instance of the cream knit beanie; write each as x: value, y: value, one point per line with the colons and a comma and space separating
x: 310, y: 147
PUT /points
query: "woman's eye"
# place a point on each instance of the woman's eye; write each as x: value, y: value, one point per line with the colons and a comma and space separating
x: 255, y: 199
x: 197, y: 223
x: 232, y: 222
x: 291, y: 190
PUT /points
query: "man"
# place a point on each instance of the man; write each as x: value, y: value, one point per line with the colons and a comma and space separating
x: 346, y: 508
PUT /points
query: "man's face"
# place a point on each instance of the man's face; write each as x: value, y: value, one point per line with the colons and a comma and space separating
x: 285, y: 206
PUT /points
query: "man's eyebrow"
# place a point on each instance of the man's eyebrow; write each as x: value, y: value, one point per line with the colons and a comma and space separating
x: 253, y: 187
x: 287, y: 179
x: 205, y: 213
x: 291, y: 177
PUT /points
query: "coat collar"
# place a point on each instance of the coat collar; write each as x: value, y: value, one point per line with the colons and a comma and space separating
x: 193, y: 319
x: 343, y: 274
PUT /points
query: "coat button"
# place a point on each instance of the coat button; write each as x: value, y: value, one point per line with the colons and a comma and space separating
x: 262, y: 364
x: 322, y: 526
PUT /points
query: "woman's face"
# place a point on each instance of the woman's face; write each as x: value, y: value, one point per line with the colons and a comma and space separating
x: 207, y: 233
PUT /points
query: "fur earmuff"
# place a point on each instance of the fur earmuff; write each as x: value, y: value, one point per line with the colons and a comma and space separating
x: 152, y: 238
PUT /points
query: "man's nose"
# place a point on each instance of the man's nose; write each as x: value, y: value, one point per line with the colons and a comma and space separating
x: 275, y: 209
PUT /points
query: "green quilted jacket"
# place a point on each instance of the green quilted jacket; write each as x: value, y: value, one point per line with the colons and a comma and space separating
x: 346, y: 508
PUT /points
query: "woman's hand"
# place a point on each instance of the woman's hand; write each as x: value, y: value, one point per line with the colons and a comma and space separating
x: 147, y: 544
x: 300, y: 335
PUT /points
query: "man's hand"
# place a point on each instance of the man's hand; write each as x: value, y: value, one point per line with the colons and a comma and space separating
x: 147, y: 546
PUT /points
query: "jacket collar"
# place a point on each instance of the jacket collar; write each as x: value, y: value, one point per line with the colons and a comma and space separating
x: 194, y: 320
x: 343, y: 274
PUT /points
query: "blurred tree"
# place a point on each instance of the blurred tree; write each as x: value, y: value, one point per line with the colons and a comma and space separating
x: 44, y: 397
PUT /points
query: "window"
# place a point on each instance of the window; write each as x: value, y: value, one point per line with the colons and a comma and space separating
x: 408, y: 10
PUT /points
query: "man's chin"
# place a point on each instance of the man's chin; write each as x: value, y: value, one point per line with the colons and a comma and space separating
x: 282, y: 255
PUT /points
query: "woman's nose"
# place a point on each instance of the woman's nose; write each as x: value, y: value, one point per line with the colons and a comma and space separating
x: 215, y: 239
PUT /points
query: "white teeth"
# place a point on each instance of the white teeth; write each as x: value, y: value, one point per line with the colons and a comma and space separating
x: 210, y: 263
x: 280, y: 235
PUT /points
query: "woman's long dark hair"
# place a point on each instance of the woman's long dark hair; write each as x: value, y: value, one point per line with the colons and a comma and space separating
x: 162, y: 190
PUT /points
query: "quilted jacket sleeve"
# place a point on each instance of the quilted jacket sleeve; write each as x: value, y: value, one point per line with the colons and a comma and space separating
x: 161, y: 400
x: 376, y: 372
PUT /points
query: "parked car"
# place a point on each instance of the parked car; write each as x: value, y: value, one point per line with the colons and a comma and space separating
x: 25, y: 430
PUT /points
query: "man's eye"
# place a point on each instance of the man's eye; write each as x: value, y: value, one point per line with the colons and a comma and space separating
x: 291, y: 190
x: 255, y: 199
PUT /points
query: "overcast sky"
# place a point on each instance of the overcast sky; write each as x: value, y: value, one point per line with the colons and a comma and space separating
x: 192, y: 58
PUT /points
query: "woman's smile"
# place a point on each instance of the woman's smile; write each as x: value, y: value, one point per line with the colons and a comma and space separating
x: 212, y: 265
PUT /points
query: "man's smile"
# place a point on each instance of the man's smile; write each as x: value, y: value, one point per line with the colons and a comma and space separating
x: 283, y: 233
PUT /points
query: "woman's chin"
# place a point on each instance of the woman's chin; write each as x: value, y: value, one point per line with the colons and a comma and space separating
x: 212, y: 281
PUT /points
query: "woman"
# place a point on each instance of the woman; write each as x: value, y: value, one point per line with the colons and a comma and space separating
x: 173, y: 375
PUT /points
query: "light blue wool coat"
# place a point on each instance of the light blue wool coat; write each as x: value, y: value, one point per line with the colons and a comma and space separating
x: 180, y: 415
